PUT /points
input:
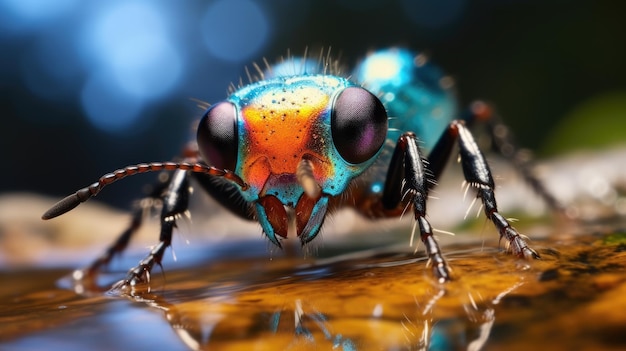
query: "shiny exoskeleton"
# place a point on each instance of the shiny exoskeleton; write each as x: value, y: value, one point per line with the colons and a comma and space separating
x: 301, y: 141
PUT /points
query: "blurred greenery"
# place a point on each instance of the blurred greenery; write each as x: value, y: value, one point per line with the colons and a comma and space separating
x: 618, y: 238
x: 596, y: 123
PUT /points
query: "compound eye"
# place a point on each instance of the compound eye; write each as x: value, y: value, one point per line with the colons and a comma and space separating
x: 358, y: 124
x: 217, y: 136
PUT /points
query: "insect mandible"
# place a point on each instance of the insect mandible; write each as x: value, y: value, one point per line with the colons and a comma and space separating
x: 302, y: 141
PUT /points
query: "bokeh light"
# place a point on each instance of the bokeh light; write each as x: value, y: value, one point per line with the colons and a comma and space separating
x: 134, y: 58
x: 235, y: 30
x: 107, y: 107
x: 131, y: 41
x: 22, y: 15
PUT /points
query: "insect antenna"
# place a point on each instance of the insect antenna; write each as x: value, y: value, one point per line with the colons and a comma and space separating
x: 70, y: 202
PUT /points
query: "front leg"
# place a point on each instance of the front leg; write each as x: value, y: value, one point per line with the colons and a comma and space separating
x: 408, y: 179
x: 120, y: 244
x: 175, y: 203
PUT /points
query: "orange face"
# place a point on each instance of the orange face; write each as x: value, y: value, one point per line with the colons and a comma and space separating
x: 282, y: 129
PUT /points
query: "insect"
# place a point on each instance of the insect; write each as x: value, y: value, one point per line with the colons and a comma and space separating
x: 300, y: 141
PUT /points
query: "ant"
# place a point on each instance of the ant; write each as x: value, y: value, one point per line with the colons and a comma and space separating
x: 301, y: 141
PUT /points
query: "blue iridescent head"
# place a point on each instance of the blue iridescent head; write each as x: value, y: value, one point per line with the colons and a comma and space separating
x: 297, y: 142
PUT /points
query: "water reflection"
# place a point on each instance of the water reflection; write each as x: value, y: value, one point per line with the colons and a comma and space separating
x: 355, y: 304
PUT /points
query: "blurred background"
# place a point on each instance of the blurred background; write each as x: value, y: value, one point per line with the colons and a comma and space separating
x: 91, y: 86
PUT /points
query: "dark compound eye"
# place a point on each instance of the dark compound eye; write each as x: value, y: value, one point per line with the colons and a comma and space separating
x: 359, y: 124
x: 217, y: 136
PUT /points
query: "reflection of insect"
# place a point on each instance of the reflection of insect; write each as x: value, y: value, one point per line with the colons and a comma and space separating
x: 299, y: 142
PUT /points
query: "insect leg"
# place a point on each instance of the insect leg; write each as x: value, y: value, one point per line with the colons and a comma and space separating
x: 407, y: 179
x: 175, y: 203
x: 504, y: 143
x: 122, y: 241
x: 478, y: 175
